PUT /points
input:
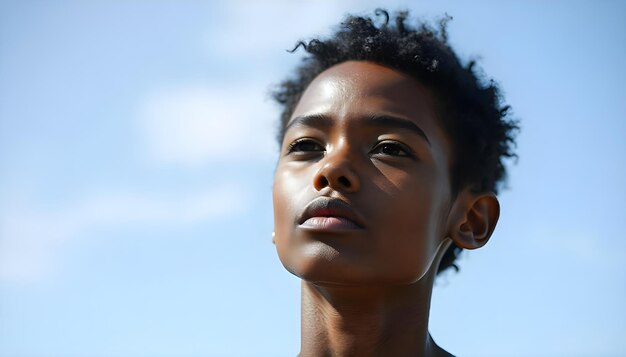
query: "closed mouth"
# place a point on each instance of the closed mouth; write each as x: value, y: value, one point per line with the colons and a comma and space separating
x: 330, y: 213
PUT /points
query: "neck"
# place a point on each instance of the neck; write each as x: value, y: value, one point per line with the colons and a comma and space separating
x: 357, y: 321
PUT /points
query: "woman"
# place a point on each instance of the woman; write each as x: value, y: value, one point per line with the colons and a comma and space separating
x: 391, y: 153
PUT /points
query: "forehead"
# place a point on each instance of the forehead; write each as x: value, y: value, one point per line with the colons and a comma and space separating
x: 357, y: 87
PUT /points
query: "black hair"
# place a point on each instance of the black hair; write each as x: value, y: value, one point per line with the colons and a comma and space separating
x: 470, y: 109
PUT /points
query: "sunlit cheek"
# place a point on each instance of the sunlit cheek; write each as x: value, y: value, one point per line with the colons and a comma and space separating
x: 290, y: 186
x: 281, y: 212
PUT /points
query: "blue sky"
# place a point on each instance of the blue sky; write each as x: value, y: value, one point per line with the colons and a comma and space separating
x: 136, y: 162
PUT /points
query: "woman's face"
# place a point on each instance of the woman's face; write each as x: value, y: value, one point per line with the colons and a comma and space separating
x: 362, y: 187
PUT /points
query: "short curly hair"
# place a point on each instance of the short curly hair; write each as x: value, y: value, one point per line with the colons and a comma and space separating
x: 470, y: 109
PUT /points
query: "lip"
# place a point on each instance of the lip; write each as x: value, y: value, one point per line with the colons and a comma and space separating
x: 325, y: 213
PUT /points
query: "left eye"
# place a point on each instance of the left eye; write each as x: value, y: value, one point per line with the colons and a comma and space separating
x: 392, y: 149
x: 304, y: 146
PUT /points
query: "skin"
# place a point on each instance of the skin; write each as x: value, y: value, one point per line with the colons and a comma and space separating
x: 369, y: 136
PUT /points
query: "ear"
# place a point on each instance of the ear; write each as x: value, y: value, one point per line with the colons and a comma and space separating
x: 473, y: 218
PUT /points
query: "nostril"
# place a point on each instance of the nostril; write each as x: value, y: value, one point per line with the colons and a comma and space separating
x: 323, y: 182
x: 344, y: 181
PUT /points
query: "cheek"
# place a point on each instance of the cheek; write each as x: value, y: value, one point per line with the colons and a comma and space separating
x: 411, y: 226
x: 287, y: 192
x: 281, y: 212
x: 281, y: 203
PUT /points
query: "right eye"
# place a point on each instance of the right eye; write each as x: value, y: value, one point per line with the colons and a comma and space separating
x: 304, y: 146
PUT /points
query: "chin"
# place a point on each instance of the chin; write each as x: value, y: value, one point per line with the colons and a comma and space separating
x: 322, y: 264
x: 325, y: 267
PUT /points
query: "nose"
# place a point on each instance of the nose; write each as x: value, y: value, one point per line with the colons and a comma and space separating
x: 337, y: 172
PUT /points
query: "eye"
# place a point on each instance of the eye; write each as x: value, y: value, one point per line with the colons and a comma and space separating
x: 392, y: 148
x: 304, y: 146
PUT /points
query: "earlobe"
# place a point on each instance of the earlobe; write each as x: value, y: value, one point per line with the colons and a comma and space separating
x: 473, y: 218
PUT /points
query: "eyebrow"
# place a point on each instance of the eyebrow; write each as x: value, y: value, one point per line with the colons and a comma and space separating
x: 315, y: 120
x: 385, y: 121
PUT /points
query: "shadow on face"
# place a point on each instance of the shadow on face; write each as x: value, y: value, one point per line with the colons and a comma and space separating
x: 362, y: 188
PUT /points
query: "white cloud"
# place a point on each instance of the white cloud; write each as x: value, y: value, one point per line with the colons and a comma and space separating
x: 195, y: 125
x: 260, y: 28
x: 31, y: 239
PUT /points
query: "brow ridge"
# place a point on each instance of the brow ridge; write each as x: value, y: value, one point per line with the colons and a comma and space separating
x: 382, y: 120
